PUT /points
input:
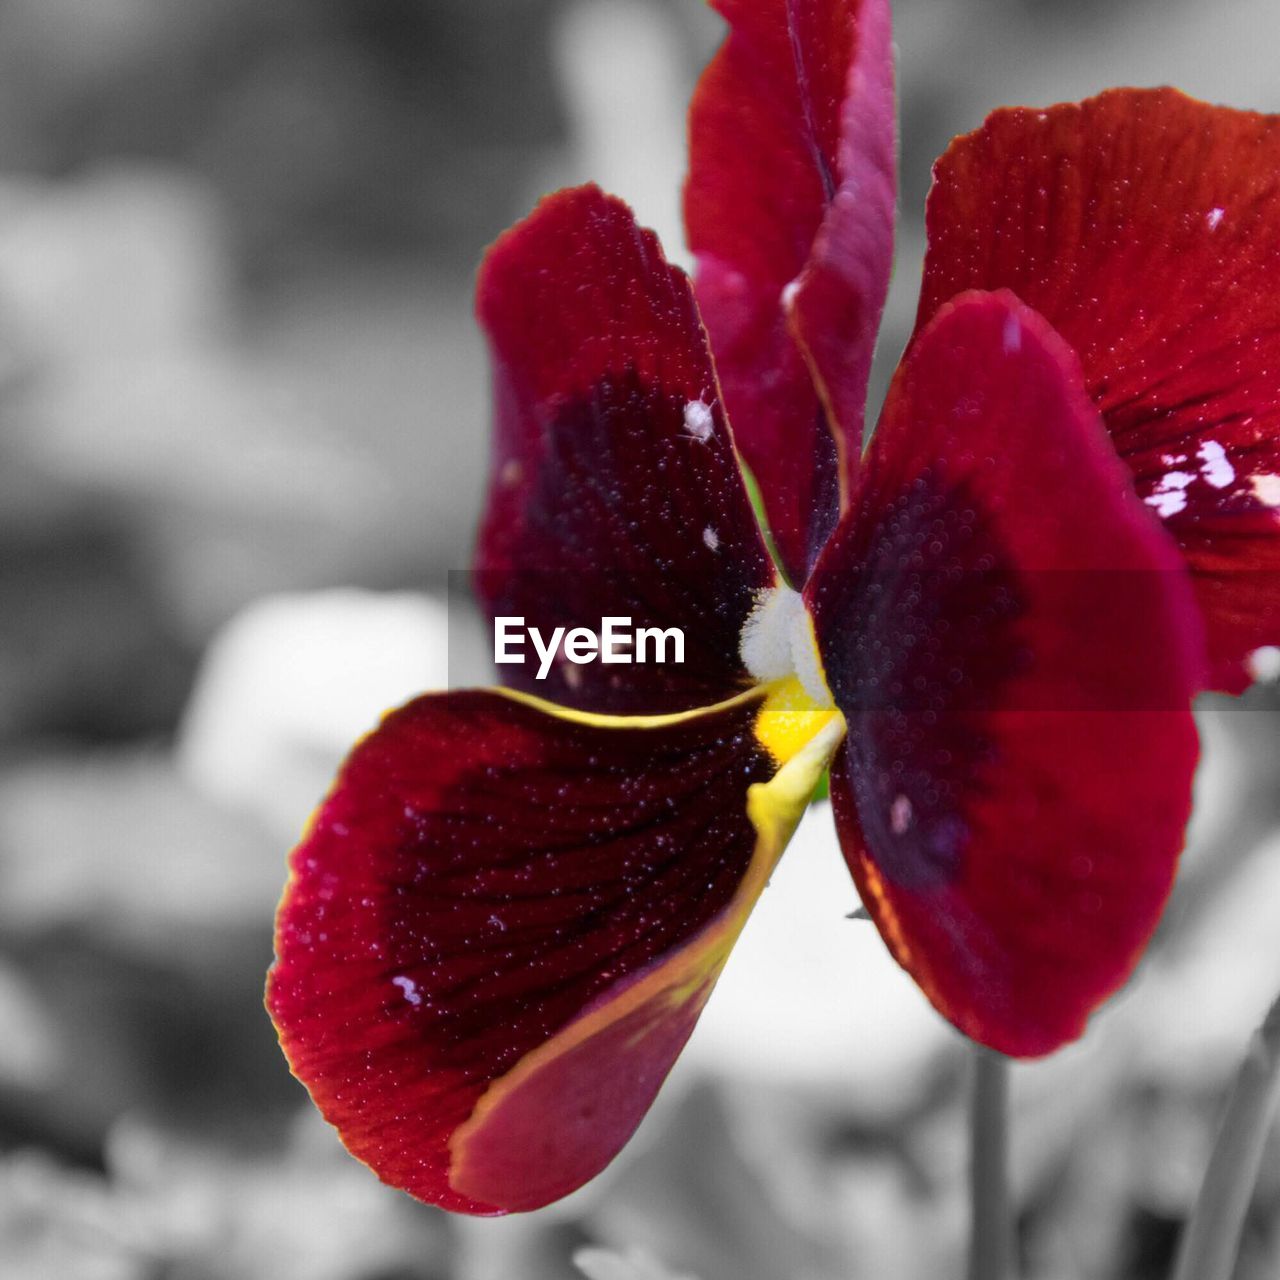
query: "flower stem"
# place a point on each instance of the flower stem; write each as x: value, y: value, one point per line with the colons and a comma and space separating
x: 991, y: 1243
x: 1211, y: 1238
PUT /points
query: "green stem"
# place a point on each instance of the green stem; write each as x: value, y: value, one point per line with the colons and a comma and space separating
x: 991, y: 1242
x: 1211, y: 1238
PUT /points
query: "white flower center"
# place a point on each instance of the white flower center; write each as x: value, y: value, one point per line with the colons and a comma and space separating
x: 778, y: 641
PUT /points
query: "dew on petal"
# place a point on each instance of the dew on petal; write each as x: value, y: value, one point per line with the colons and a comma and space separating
x: 1263, y: 664
x: 1266, y: 488
x: 1012, y: 336
x: 1169, y: 496
x: 900, y: 814
x: 698, y: 421
x: 409, y: 987
x: 1215, y: 468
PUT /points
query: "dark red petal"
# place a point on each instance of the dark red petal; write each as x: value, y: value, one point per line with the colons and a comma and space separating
x: 615, y: 488
x: 1145, y: 227
x: 503, y: 923
x: 1014, y: 644
x: 793, y: 182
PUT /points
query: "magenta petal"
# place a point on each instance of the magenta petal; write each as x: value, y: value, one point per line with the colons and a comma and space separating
x: 790, y: 209
x: 1015, y: 646
x: 1145, y: 227
x: 491, y: 885
x: 615, y: 488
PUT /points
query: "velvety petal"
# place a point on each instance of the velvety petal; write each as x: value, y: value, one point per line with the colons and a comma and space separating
x: 503, y: 923
x: 790, y: 210
x: 1014, y: 644
x: 615, y: 488
x: 1145, y: 227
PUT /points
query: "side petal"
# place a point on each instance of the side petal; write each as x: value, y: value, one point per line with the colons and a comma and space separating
x: 615, y: 488
x: 1014, y: 645
x: 503, y: 923
x: 790, y: 209
x: 1145, y: 227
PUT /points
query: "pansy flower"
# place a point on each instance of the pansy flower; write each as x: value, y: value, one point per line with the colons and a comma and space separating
x: 504, y: 921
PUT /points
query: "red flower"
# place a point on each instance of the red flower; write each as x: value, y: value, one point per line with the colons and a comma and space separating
x: 504, y: 921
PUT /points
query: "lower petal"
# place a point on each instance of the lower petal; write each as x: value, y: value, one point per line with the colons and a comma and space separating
x: 504, y: 922
x: 1014, y: 645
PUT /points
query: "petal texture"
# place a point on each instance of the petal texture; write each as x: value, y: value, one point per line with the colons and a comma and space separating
x: 615, y: 488
x: 503, y: 923
x: 1014, y: 645
x: 790, y: 208
x: 1145, y: 227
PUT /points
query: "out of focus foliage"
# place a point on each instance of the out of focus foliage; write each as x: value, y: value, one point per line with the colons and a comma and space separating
x: 238, y: 369
x: 327, y: 128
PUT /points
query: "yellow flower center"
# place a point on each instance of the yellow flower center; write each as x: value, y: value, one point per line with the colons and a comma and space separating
x: 790, y: 719
x: 780, y: 649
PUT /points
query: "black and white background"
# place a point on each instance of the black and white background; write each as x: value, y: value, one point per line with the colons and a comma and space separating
x: 243, y: 429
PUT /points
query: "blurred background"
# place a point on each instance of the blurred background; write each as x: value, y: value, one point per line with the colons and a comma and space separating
x: 243, y: 428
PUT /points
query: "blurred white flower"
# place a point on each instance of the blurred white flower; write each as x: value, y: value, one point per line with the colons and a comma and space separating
x: 811, y: 997
x: 1211, y: 991
x: 292, y: 682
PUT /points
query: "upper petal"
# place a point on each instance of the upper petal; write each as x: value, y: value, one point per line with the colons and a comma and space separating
x: 790, y: 206
x: 615, y: 489
x: 1014, y: 645
x: 503, y: 923
x: 1145, y: 226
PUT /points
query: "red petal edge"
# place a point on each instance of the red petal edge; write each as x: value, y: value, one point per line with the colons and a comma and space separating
x: 1145, y: 227
x: 615, y: 488
x: 1014, y: 644
x: 503, y: 923
x: 790, y: 211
